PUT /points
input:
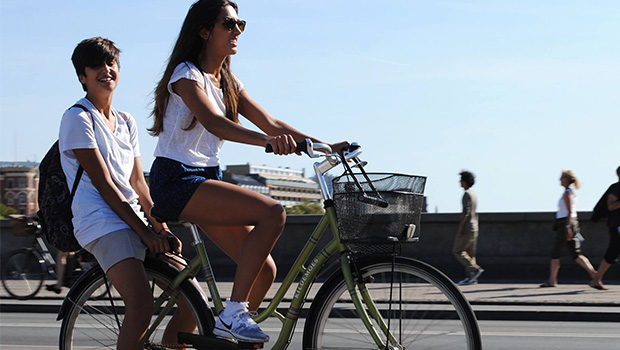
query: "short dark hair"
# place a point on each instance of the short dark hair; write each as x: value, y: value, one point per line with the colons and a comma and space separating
x: 92, y: 53
x: 468, y: 178
x: 618, y: 171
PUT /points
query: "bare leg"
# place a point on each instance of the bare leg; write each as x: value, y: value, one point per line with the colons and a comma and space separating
x: 182, y: 320
x: 553, y: 271
x: 227, y: 238
x: 597, y: 280
x: 129, y: 279
x: 219, y: 207
x: 585, y: 263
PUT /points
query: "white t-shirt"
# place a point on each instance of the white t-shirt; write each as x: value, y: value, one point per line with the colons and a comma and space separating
x: 196, y: 147
x: 563, y: 211
x: 92, y: 217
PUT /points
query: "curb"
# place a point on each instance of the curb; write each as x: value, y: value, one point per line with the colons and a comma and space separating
x: 483, y: 311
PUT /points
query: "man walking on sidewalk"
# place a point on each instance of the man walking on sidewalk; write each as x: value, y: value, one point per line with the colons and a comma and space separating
x: 608, y: 206
x: 467, y: 235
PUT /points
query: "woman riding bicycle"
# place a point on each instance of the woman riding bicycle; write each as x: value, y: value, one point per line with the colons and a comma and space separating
x: 107, y: 217
x: 197, y: 102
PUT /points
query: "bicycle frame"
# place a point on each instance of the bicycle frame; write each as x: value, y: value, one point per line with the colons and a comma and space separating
x: 306, y: 273
x: 47, y: 256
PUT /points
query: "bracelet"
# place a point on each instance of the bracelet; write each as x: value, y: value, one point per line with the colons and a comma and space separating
x: 568, y: 226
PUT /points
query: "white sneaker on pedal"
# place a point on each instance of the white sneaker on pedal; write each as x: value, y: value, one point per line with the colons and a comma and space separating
x: 239, y: 326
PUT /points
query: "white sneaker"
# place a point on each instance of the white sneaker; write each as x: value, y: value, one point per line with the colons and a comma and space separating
x: 241, y: 327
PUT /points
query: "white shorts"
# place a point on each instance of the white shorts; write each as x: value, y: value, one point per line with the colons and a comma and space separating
x: 115, y: 247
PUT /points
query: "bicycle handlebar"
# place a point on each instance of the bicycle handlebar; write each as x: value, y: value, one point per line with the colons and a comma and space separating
x: 306, y: 146
x: 351, y: 154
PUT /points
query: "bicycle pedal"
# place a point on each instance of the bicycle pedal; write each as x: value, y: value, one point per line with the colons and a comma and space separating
x: 204, y: 342
x: 241, y: 344
x: 245, y: 345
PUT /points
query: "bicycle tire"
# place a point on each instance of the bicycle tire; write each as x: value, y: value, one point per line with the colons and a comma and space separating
x: 434, y: 314
x: 23, y: 273
x: 90, y: 322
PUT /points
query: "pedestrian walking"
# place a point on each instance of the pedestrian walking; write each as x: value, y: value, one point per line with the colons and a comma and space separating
x: 467, y: 235
x: 608, y: 206
x: 567, y: 231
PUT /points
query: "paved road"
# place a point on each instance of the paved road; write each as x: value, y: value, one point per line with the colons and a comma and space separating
x: 34, y: 331
x: 506, y: 301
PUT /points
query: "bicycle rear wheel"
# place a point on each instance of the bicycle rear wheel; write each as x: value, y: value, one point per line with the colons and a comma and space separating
x: 92, y: 322
x: 427, y: 311
x: 23, y: 272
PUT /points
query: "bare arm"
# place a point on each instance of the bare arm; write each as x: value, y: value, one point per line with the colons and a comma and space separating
x: 196, y: 99
x: 138, y: 182
x: 270, y: 125
x: 93, y: 163
x: 613, y: 202
x: 569, y: 202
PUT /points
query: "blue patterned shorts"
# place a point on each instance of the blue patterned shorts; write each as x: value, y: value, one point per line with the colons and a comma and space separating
x: 173, y: 183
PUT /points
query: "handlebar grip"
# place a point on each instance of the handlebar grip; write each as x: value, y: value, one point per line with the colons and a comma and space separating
x: 302, y: 146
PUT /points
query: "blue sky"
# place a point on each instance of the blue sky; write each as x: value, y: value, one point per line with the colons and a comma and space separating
x: 514, y: 91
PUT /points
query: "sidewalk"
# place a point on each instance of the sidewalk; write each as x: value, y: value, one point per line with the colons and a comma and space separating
x: 490, y: 301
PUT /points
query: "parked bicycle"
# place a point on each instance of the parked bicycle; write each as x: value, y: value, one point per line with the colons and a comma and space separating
x: 25, y: 270
x: 376, y: 298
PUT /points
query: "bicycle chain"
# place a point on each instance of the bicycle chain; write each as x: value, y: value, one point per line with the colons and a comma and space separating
x: 157, y: 346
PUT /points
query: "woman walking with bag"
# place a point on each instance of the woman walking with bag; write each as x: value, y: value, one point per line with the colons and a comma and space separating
x: 566, y: 226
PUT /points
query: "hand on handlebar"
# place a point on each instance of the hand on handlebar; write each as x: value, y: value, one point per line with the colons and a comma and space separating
x: 339, y: 147
x: 307, y: 146
x: 283, y: 144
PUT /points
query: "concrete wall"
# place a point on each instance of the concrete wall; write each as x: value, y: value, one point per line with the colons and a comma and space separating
x: 511, y: 246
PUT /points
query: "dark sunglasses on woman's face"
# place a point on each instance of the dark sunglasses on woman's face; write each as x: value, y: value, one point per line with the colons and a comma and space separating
x: 230, y: 23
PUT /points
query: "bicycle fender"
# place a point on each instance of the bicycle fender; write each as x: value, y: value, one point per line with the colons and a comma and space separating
x: 72, y: 295
x: 96, y: 272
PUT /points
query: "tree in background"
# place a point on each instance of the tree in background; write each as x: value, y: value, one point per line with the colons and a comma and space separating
x: 306, y: 208
x: 6, y: 211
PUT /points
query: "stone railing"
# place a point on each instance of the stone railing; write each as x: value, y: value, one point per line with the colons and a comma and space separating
x: 511, y: 246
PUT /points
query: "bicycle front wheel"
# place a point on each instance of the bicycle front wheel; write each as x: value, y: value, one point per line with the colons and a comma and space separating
x: 23, y: 272
x: 93, y: 322
x: 421, y: 306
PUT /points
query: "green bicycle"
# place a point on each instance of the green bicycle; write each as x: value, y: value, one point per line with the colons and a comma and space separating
x: 376, y: 298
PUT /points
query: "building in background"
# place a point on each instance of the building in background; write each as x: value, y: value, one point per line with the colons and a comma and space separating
x: 18, y: 186
x: 288, y: 186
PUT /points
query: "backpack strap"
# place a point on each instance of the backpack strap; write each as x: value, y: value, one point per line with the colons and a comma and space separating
x: 80, y: 170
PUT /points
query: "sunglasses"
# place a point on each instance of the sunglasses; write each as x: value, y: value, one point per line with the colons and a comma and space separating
x: 230, y: 23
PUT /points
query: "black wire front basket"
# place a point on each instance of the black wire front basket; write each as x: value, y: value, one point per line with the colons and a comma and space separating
x: 377, y: 210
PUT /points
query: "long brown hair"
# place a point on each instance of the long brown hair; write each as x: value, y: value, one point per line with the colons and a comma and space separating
x: 188, y: 47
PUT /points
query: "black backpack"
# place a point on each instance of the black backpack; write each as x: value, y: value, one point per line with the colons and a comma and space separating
x: 55, y: 200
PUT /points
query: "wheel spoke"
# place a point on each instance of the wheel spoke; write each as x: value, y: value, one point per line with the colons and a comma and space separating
x: 426, y: 311
x: 91, y: 322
